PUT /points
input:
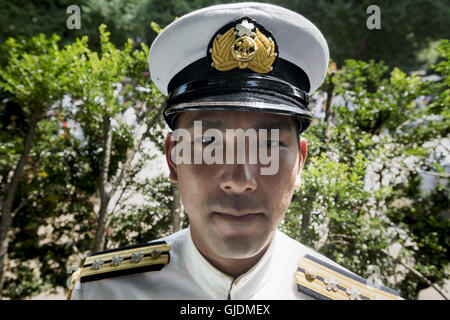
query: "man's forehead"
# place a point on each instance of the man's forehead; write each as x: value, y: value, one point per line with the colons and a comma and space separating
x: 236, y: 119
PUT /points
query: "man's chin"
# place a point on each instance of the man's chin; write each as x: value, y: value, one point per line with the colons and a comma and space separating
x: 237, y: 246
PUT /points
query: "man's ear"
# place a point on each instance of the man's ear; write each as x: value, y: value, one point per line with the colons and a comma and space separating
x: 168, y: 147
x: 303, y: 147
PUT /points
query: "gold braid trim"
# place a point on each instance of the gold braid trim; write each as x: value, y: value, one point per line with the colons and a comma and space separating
x: 75, y: 277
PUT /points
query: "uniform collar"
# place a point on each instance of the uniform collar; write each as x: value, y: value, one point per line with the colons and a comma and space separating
x: 219, y: 284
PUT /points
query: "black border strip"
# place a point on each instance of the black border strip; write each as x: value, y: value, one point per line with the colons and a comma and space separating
x: 311, y: 293
x: 112, y: 274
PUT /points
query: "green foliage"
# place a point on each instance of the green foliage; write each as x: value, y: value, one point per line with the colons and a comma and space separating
x: 36, y: 71
x: 362, y: 201
x: 73, y: 89
x: 148, y: 221
x: 406, y: 38
x: 28, y: 18
x: 406, y: 29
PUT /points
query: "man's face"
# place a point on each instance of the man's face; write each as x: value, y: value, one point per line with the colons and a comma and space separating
x: 233, y: 210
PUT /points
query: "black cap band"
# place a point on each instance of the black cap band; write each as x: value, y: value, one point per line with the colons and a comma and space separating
x: 198, y: 80
x: 282, y: 69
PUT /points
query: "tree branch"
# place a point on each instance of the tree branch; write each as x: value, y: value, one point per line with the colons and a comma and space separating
x: 328, y: 109
x: 105, y: 196
x: 337, y: 241
x: 6, y: 216
x: 423, y: 278
x: 134, y: 150
x: 111, y: 215
x: 20, y: 206
x: 436, y: 174
x: 126, y: 167
x: 419, y: 275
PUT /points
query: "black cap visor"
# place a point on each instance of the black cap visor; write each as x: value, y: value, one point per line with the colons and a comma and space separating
x: 244, y: 101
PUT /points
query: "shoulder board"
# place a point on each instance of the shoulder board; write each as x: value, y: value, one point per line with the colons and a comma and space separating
x: 324, y: 281
x: 127, y: 260
x: 151, y: 256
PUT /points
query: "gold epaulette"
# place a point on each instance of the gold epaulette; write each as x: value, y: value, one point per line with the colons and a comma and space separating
x: 123, y: 261
x: 324, y: 281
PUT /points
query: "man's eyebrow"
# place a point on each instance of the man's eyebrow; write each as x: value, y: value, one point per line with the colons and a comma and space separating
x: 208, y: 124
x: 214, y: 124
x: 282, y: 125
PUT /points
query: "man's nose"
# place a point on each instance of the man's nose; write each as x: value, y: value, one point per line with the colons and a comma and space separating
x: 239, y: 178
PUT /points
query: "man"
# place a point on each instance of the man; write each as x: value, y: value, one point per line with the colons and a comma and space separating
x: 231, y: 72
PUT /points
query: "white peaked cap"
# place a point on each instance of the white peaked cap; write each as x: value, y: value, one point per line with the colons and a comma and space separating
x: 186, y: 40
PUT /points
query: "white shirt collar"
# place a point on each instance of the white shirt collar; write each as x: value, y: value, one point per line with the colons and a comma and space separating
x: 218, y: 284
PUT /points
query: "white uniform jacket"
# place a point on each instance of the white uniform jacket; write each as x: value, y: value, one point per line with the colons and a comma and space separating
x: 287, y: 270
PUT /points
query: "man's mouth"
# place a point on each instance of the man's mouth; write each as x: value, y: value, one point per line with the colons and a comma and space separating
x: 238, y: 216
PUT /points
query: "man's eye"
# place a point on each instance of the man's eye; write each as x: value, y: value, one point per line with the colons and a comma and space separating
x: 205, y: 140
x: 273, y: 143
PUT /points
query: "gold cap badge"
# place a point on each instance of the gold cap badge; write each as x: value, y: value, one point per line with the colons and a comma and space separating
x: 243, y: 46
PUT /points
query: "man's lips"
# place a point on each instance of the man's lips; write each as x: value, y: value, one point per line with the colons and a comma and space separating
x: 238, y: 216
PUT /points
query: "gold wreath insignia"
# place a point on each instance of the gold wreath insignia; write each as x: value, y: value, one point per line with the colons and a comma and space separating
x: 254, y: 51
